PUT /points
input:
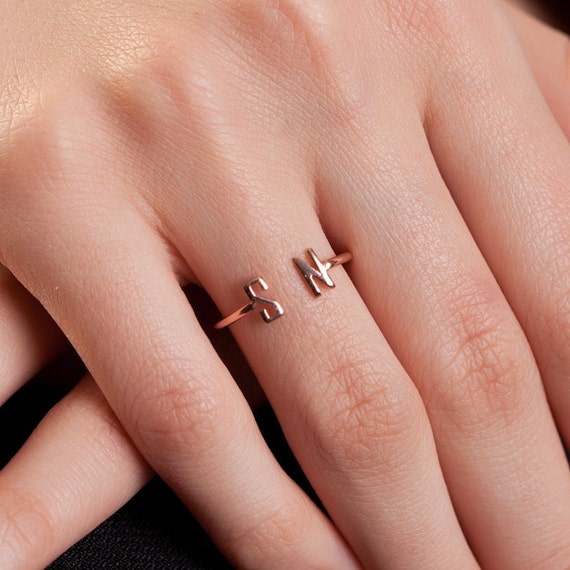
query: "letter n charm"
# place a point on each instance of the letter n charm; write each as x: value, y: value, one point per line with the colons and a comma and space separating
x: 311, y: 273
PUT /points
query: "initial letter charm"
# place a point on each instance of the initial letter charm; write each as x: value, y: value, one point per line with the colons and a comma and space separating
x: 311, y: 273
x: 256, y: 299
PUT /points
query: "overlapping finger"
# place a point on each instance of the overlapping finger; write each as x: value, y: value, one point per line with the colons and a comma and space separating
x: 435, y: 299
x: 76, y: 469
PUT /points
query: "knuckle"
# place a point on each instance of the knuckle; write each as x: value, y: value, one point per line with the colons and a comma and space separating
x: 486, y: 363
x: 370, y: 413
x: 173, y: 417
x: 315, y: 47
x: 48, y: 156
x: 27, y: 528
x: 46, y: 176
x: 296, y: 52
x: 288, y: 24
x: 357, y: 399
x: 190, y: 91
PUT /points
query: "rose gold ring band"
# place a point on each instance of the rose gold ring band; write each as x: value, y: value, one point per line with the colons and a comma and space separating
x: 271, y: 309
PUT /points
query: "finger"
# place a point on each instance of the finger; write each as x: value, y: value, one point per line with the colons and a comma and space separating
x: 349, y: 411
x: 138, y: 336
x: 76, y: 469
x: 441, y: 310
x: 506, y: 163
x: 548, y: 52
x: 514, y: 196
x: 29, y: 338
x: 347, y: 408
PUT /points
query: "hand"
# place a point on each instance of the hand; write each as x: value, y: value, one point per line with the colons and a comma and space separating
x: 104, y: 230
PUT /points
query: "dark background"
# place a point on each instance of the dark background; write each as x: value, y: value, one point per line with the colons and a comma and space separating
x: 558, y: 12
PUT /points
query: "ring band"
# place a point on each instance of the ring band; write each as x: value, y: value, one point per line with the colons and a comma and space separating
x: 271, y: 309
x: 320, y: 272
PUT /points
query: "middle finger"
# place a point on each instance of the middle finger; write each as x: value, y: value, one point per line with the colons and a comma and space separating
x: 350, y: 412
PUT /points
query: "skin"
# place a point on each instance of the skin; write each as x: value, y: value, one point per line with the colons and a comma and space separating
x: 145, y: 146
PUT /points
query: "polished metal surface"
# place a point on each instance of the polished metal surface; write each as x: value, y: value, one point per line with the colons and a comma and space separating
x: 269, y: 309
x: 320, y: 270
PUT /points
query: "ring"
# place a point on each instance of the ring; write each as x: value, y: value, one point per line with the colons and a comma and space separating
x: 269, y: 309
x: 320, y: 272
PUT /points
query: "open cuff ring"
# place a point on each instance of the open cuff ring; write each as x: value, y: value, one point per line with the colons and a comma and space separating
x: 271, y: 309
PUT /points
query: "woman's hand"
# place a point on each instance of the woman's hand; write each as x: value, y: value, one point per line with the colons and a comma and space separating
x: 145, y: 146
